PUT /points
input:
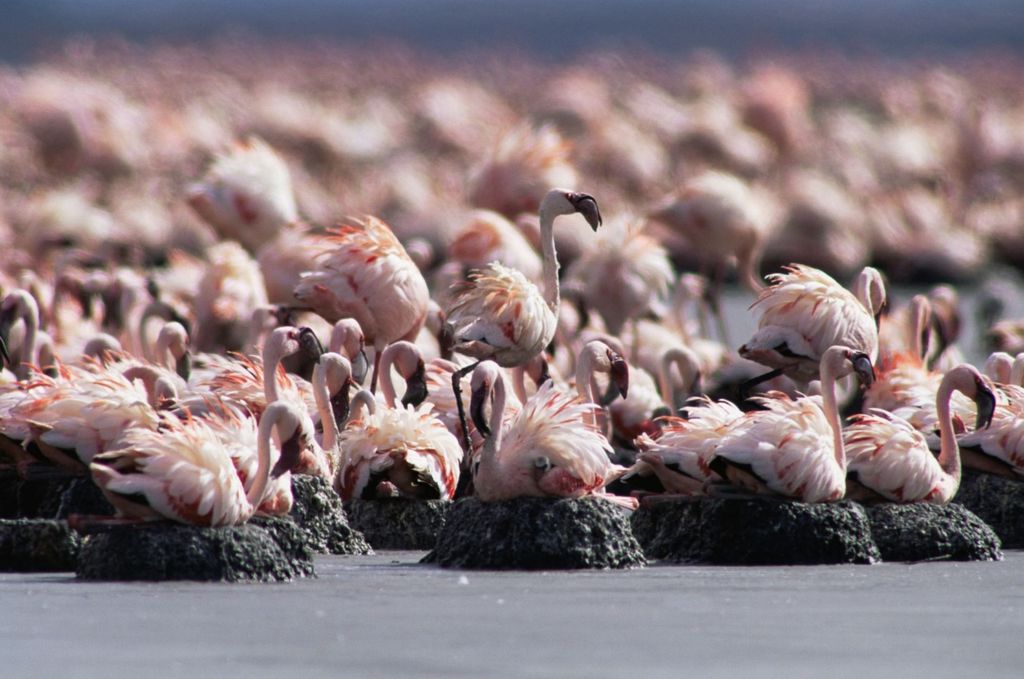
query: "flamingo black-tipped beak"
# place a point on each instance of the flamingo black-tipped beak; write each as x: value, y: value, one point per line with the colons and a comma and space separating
x: 183, y: 366
x: 620, y: 373
x: 291, y: 455
x: 416, y: 387
x: 863, y: 368
x: 986, y: 402
x: 310, y: 344
x: 586, y: 206
x: 360, y: 366
x: 476, y: 410
x: 341, y: 403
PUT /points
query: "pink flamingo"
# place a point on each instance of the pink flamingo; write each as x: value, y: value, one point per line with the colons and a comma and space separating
x: 803, y: 313
x: 184, y: 472
x: 370, y: 277
x: 500, y: 315
x: 551, y: 449
x: 794, y: 448
x: 398, y: 451
x: 722, y: 219
x: 676, y: 456
x: 888, y: 459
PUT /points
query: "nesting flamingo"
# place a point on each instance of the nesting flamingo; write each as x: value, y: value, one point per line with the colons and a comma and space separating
x: 794, y: 448
x: 394, y: 450
x: 551, y: 449
x: 370, y: 277
x: 888, y: 459
x: 184, y: 472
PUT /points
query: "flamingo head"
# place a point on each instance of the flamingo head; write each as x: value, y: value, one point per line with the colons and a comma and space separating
x: 287, y: 421
x: 481, y: 384
x: 620, y: 372
x: 862, y: 367
x: 309, y: 343
x: 565, y: 202
x: 586, y: 205
x: 416, y: 386
x: 985, y: 399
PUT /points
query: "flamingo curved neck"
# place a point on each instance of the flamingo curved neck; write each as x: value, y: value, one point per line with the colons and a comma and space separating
x: 689, y: 369
x: 949, y: 449
x: 831, y: 409
x: 272, y: 352
x: 363, y: 400
x: 387, y: 386
x: 488, y: 471
x: 322, y: 396
x: 585, y: 369
x: 921, y: 317
x: 1017, y: 371
x: 550, y: 257
x: 262, y: 476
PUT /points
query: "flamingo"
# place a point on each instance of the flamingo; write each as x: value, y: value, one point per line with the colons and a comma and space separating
x: 599, y: 357
x: 888, y: 459
x: 551, y: 449
x: 675, y: 456
x: 185, y: 473
x: 246, y: 194
x: 803, y: 313
x: 231, y: 286
x: 398, y: 451
x: 622, y: 274
x: 793, y: 449
x: 650, y: 397
x: 20, y: 305
x: 721, y: 218
x: 500, y: 315
x: 370, y: 277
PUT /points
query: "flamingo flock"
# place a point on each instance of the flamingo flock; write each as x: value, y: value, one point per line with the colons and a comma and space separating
x: 191, y: 372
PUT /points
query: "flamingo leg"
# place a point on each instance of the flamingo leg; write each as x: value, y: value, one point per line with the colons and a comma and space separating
x: 376, y: 368
x: 715, y: 302
x: 457, y: 388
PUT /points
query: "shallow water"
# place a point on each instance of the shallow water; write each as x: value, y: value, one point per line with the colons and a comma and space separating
x: 387, y: 616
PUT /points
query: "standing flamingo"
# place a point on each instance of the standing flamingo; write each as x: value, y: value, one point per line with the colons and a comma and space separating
x: 803, y: 313
x: 370, y: 277
x: 795, y: 447
x: 500, y: 315
x: 888, y: 459
x: 721, y: 218
x: 551, y: 449
x: 184, y: 473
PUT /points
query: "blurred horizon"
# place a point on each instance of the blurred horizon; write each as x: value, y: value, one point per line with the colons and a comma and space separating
x: 548, y: 30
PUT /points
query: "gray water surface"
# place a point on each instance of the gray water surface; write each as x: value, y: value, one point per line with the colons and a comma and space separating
x: 387, y: 616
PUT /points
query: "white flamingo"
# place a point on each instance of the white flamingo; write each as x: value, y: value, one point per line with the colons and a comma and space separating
x: 184, y: 472
x: 551, y: 448
x: 794, y: 448
x: 888, y: 459
x: 370, y: 277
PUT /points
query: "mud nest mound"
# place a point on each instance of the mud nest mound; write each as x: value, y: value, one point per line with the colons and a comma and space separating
x: 37, y: 545
x: 755, y: 532
x: 925, y: 532
x: 998, y: 502
x: 168, y: 551
x: 51, y: 499
x: 399, y: 523
x: 318, y: 511
x: 537, y: 534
